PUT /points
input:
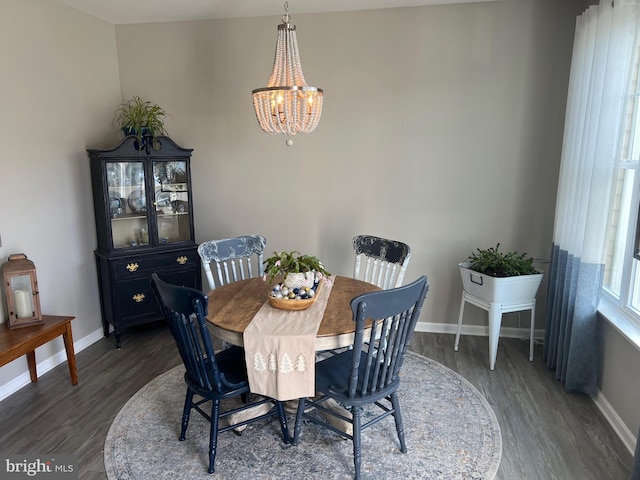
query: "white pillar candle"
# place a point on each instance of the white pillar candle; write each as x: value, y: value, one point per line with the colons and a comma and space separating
x: 23, y: 304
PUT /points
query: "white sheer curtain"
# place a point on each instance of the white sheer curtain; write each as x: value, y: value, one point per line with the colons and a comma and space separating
x: 596, y: 100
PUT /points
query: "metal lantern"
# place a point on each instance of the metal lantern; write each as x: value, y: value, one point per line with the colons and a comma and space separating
x: 21, y: 291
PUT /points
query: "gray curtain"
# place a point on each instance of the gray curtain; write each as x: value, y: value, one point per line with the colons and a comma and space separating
x: 570, y: 346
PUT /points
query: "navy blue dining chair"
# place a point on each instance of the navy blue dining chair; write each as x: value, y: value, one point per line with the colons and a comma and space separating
x: 214, y: 377
x: 368, y: 373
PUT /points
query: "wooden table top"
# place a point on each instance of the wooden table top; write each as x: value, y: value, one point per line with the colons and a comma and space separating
x: 15, y: 342
x: 233, y: 306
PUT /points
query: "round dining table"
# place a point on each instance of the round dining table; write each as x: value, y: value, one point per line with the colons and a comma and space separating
x: 233, y: 306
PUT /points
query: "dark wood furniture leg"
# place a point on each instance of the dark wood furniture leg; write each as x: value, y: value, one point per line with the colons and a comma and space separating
x: 31, y: 361
x: 67, y: 337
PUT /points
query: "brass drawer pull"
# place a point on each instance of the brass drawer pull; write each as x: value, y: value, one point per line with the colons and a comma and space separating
x: 182, y: 260
x: 132, y: 267
x: 138, y: 297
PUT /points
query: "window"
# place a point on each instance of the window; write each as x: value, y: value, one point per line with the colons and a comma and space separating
x: 622, y: 273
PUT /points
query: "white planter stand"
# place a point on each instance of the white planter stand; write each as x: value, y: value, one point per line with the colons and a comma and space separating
x: 498, y: 296
x: 495, y: 320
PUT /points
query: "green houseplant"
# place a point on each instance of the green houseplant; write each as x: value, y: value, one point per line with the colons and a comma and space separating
x: 491, y: 261
x: 282, y: 264
x: 141, y: 118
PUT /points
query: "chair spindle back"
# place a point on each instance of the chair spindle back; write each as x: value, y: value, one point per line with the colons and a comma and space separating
x: 235, y: 259
x: 395, y: 313
x: 380, y: 261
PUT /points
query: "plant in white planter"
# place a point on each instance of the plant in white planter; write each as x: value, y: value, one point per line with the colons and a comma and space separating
x: 494, y: 276
x: 499, y: 283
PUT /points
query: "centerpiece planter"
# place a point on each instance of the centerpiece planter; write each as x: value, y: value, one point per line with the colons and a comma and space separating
x: 295, y: 298
x: 300, y: 278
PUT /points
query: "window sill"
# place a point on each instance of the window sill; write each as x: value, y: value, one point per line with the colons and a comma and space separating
x: 627, y: 327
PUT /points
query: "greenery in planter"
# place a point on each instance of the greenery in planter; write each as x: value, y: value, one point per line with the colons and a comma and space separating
x: 492, y: 262
x: 140, y: 117
x: 282, y: 263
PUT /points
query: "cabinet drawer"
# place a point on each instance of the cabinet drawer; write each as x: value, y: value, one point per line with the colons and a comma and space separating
x: 150, y: 263
x: 136, y: 300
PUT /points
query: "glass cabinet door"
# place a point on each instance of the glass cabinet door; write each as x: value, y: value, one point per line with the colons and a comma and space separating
x: 127, y: 204
x: 171, y: 201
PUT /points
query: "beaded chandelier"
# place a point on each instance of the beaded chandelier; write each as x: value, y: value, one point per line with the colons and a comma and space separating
x: 287, y: 104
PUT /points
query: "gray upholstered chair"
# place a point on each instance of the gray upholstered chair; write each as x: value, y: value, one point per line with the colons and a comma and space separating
x: 365, y: 376
x: 234, y: 258
x: 380, y: 261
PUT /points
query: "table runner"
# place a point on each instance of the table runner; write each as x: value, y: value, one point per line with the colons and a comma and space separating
x: 280, y: 348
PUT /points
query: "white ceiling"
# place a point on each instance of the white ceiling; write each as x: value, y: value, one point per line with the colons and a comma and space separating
x: 145, y: 11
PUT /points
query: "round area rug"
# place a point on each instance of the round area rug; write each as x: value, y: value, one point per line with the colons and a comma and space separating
x: 451, y: 433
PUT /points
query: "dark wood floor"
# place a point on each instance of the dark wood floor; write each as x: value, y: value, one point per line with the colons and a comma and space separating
x: 546, y: 433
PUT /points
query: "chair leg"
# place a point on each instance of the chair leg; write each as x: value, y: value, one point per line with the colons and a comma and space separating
x: 283, y: 422
x: 213, y: 434
x: 398, y: 418
x: 357, y: 442
x: 188, y: 402
x: 298, y: 425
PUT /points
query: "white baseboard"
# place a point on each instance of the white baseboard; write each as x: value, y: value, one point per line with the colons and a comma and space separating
x: 478, y: 330
x: 627, y: 437
x: 48, y: 364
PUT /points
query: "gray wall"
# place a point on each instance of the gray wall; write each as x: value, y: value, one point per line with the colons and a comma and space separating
x: 59, y: 83
x: 619, y: 389
x: 442, y: 127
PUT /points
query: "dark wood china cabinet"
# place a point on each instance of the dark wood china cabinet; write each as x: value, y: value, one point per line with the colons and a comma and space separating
x: 144, y: 221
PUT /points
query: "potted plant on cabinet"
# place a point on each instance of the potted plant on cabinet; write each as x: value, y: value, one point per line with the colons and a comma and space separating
x: 143, y: 119
x: 494, y: 276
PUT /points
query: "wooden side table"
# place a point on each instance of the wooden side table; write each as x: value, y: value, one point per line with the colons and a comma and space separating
x: 23, y: 341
